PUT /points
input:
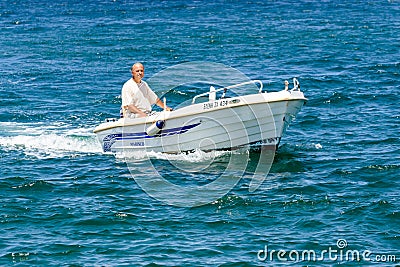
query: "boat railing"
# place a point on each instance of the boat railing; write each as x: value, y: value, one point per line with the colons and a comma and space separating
x: 296, y: 85
x: 214, y: 91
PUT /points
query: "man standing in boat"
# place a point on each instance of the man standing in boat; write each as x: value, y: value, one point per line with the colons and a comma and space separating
x: 137, y: 96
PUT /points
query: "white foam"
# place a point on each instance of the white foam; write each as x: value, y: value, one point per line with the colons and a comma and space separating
x: 318, y: 146
x: 51, y: 142
x: 54, y: 140
x: 195, y: 156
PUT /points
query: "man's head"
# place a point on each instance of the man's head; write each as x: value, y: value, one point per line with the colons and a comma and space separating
x: 137, y: 71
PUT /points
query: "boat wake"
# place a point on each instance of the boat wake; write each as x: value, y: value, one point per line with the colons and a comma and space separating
x: 47, y: 140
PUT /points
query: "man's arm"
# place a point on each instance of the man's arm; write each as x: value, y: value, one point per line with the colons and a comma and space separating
x: 161, y: 105
x: 132, y: 108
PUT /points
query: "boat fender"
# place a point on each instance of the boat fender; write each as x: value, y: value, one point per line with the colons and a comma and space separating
x: 155, y: 128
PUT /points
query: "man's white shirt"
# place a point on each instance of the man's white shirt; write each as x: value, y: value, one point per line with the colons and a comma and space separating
x: 139, y: 95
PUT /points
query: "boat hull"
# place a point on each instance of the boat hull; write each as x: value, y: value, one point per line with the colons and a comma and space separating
x: 215, y: 125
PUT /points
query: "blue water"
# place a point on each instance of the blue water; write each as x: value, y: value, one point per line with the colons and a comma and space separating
x: 334, y: 177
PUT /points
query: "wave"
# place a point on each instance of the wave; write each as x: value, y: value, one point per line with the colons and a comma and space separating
x: 47, y: 140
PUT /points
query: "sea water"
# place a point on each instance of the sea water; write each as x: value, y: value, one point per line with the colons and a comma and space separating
x: 332, y: 190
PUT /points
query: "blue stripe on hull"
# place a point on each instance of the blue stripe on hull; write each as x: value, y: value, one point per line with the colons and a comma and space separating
x: 110, y: 139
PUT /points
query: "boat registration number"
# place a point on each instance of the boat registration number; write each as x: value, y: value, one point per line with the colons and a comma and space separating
x: 215, y: 104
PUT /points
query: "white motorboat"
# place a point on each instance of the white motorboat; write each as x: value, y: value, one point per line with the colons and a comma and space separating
x: 217, y: 124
